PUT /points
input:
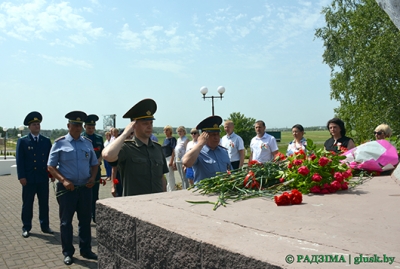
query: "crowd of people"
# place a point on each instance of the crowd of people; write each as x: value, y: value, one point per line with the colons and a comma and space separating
x: 137, y: 161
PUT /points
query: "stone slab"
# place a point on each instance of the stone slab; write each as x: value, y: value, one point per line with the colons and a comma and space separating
x: 13, y: 170
x: 5, y: 166
x: 392, y: 8
x: 396, y: 174
x: 162, y: 230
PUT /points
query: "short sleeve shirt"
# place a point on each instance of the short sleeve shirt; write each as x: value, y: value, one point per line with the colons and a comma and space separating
x: 180, y: 148
x: 233, y: 143
x: 168, y: 146
x: 293, y: 149
x: 73, y: 158
x: 210, y: 162
x: 263, y: 147
x: 142, y: 167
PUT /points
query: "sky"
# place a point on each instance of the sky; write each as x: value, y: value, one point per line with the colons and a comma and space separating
x: 102, y: 57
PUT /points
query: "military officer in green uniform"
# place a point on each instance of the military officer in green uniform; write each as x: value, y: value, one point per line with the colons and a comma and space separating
x: 140, y: 161
x: 98, y: 146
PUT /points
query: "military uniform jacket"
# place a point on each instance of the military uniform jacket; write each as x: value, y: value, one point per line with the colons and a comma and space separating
x: 97, y: 142
x: 141, y: 167
x: 32, y: 158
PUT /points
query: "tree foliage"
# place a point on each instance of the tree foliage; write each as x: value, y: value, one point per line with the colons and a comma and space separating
x: 362, y: 49
x: 244, y: 127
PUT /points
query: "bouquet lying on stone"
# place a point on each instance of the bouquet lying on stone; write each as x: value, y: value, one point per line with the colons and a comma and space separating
x: 319, y: 171
x: 315, y: 171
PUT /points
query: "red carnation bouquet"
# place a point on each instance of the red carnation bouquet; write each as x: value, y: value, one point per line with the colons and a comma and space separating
x: 315, y: 171
x: 293, y: 198
x: 319, y: 171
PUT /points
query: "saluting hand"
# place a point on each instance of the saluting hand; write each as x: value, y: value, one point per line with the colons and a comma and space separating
x: 202, y: 140
x: 129, y: 129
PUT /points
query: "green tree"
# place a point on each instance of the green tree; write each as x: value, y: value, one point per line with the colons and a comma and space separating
x: 244, y: 127
x: 362, y: 49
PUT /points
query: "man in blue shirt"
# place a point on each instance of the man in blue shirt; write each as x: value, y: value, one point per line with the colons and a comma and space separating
x: 73, y: 162
x: 32, y: 155
x: 207, y: 157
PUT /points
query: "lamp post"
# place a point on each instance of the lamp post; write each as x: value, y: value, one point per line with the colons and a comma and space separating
x: 5, y: 143
x: 21, y: 128
x: 204, y: 91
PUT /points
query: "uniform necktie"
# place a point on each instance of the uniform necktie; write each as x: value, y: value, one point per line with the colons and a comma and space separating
x: 35, y: 139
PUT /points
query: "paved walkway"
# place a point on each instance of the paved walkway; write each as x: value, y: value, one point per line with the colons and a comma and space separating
x: 39, y: 250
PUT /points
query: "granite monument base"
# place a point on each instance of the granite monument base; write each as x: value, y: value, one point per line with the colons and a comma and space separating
x: 330, y: 231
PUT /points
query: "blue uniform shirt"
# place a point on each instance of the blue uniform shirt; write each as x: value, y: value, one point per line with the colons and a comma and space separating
x: 210, y: 162
x: 73, y: 158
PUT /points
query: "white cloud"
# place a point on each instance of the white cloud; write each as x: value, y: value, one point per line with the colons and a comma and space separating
x: 170, y: 32
x: 130, y: 40
x: 238, y: 17
x: 148, y: 34
x: 58, y: 42
x: 175, y: 41
x: 243, y: 31
x: 36, y: 19
x: 65, y: 61
x: 257, y: 19
x: 79, y: 39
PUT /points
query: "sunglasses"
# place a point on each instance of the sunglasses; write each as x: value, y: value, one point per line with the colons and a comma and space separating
x: 194, y: 133
x: 378, y: 133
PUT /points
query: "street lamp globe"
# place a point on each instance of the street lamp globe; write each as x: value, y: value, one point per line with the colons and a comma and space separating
x: 203, y: 90
x: 221, y: 90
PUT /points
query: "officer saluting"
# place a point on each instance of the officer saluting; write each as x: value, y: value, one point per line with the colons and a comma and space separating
x: 141, y: 161
x: 207, y: 157
x: 31, y: 155
x: 73, y: 162
x: 98, y: 146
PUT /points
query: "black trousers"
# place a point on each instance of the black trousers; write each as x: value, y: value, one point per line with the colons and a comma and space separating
x: 235, y: 165
x: 28, y: 197
x: 79, y: 201
x: 95, y: 193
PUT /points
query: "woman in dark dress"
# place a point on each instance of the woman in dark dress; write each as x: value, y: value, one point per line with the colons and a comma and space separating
x: 339, y: 142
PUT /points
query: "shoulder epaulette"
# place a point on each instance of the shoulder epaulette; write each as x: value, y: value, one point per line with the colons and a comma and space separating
x: 87, y: 139
x: 25, y: 136
x: 155, y: 142
x: 60, y: 138
x: 222, y: 147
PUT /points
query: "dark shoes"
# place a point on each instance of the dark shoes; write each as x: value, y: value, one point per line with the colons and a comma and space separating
x: 47, y: 231
x: 89, y: 255
x: 68, y: 260
x: 25, y: 234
